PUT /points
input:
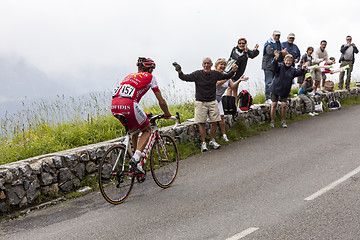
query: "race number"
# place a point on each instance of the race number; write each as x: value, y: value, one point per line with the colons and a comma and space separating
x: 127, y: 90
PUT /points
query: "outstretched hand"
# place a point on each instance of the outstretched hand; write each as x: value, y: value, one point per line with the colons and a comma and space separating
x: 177, y: 66
x: 243, y: 78
x: 306, y: 65
x: 235, y: 67
x: 284, y: 52
x: 276, y: 53
x: 167, y: 116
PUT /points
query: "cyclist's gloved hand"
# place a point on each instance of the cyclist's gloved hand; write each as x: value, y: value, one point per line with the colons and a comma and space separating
x: 149, y: 115
x: 177, y: 66
x: 167, y: 116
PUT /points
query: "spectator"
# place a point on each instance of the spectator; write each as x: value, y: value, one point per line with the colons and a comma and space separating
x: 319, y: 55
x: 221, y: 87
x: 291, y: 47
x: 324, y: 71
x: 281, y: 85
x: 205, y: 95
x: 305, y: 58
x: 307, y: 87
x: 240, y: 55
x: 270, y: 46
x: 348, y: 51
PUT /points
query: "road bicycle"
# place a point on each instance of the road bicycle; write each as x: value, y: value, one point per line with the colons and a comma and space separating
x: 117, y: 177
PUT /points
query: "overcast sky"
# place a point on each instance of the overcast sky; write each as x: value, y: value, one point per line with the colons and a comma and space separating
x: 91, y: 44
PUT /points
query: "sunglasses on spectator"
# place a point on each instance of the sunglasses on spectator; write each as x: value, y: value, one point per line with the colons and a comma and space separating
x: 348, y: 39
x: 241, y: 43
x: 291, y: 38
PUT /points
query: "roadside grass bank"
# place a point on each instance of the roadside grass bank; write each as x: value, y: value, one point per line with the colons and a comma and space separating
x: 238, y: 132
x: 43, y: 136
x: 70, y: 123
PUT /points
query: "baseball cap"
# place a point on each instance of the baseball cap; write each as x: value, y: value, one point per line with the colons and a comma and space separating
x: 291, y: 35
x: 307, y: 75
x: 276, y: 32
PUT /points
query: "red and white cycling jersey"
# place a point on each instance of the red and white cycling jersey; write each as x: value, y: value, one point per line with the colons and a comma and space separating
x: 135, y: 86
x: 127, y: 95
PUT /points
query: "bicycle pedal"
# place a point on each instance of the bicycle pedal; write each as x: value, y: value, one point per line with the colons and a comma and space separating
x: 141, y: 179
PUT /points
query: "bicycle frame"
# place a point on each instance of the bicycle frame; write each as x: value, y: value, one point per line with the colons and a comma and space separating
x: 154, y: 135
x: 116, y: 185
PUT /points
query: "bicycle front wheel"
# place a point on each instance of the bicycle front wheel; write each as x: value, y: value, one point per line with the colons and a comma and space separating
x: 115, y: 178
x: 164, y: 161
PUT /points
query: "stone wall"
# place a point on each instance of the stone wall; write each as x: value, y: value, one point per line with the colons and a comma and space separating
x: 22, y: 182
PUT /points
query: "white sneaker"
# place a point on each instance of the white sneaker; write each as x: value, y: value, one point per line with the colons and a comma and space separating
x: 315, y: 113
x: 283, y: 124
x: 140, y: 168
x: 272, y: 124
x: 311, y: 114
x: 203, y: 147
x: 268, y: 101
x: 225, y: 138
x: 214, y: 145
x: 136, y: 165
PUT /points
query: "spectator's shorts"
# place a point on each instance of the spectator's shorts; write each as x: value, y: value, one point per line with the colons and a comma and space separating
x: 323, y: 76
x: 221, y: 108
x: 205, y: 109
x: 135, y: 116
x: 276, y: 98
x: 316, y: 74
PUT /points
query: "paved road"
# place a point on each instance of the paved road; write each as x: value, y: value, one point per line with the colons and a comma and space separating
x: 258, y: 188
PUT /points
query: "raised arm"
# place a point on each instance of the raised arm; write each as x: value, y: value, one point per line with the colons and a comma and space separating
x: 221, y: 82
x: 185, y: 77
x: 234, y: 85
x: 253, y: 53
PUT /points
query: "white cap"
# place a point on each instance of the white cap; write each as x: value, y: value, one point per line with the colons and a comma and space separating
x: 276, y: 32
x: 291, y: 35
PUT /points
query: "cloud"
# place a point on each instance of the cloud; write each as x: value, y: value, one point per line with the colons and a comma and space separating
x: 86, y: 42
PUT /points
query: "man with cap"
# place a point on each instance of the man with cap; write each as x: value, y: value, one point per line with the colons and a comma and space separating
x: 292, y: 48
x: 270, y: 46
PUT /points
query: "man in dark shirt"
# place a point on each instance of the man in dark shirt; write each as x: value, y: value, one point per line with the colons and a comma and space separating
x: 205, y: 95
x: 348, y: 51
x: 292, y: 48
x: 268, y: 55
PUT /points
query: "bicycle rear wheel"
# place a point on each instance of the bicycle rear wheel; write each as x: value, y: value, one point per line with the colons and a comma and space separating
x: 164, y: 161
x: 115, y: 178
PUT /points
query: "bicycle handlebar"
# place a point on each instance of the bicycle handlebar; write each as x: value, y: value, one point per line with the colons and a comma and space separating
x: 161, y: 116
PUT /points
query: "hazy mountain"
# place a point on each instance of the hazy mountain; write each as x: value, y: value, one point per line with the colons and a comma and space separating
x: 19, y: 80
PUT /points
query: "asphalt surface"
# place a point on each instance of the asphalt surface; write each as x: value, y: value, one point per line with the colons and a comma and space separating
x: 252, y: 189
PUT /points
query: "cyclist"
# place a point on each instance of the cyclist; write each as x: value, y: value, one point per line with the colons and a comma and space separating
x: 125, y: 101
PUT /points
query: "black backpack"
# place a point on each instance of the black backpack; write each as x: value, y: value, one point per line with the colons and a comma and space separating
x: 229, y: 106
x: 245, y: 100
x: 334, y: 104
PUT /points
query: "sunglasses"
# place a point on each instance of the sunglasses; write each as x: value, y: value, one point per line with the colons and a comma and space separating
x: 241, y: 43
x: 348, y: 39
x: 291, y: 38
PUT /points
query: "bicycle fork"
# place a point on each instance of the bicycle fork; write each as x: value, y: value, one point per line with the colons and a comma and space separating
x: 162, y: 145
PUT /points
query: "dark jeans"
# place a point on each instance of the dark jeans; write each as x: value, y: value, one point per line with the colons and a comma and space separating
x: 269, y: 75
